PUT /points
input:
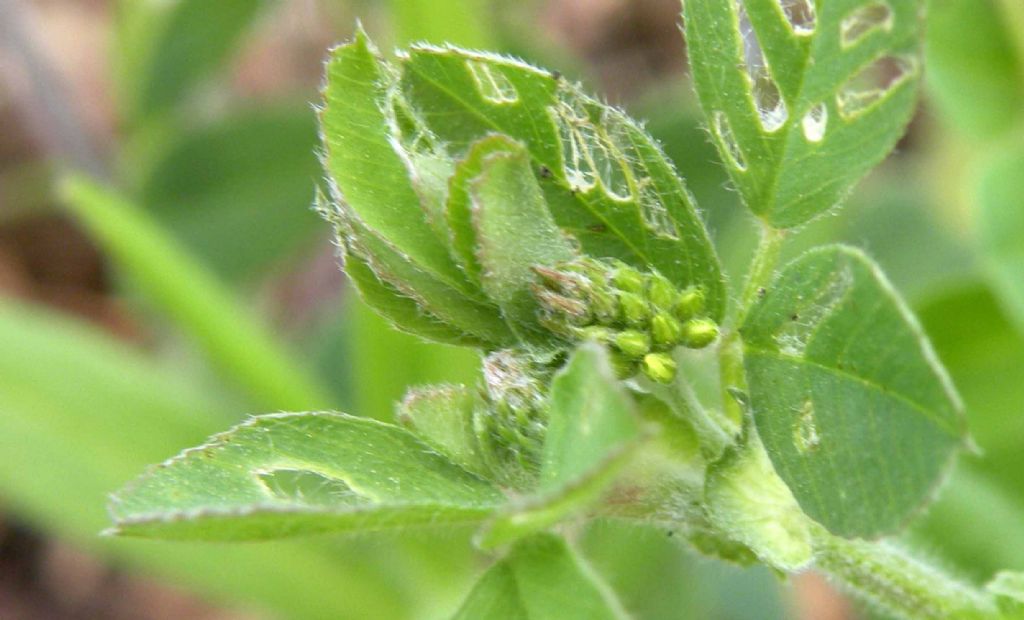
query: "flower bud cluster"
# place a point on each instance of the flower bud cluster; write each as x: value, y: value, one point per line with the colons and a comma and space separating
x: 640, y: 315
x: 511, y: 422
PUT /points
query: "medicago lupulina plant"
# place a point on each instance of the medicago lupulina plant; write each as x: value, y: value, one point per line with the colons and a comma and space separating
x: 483, y: 202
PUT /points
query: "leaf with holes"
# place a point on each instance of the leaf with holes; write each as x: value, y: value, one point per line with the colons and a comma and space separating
x: 606, y: 182
x: 593, y: 433
x: 301, y: 473
x: 541, y: 577
x: 803, y: 97
x: 854, y: 409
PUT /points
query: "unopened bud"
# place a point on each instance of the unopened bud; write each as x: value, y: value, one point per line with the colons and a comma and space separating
x: 665, y: 330
x: 699, y: 333
x: 633, y: 343
x: 603, y: 304
x: 635, y: 311
x: 661, y: 292
x: 690, y: 303
x: 626, y: 278
x: 659, y: 367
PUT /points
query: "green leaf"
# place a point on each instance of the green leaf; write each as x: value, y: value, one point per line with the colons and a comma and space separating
x: 593, y: 433
x: 82, y: 413
x: 975, y: 72
x: 371, y: 179
x: 541, y: 578
x: 164, y: 49
x: 237, y: 191
x: 442, y: 416
x: 514, y: 232
x: 857, y: 414
x: 606, y: 182
x: 301, y: 473
x: 1001, y: 228
x: 183, y: 288
x: 802, y: 101
x: 400, y: 310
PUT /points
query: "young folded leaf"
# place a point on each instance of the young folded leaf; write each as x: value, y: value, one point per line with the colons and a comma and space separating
x: 801, y: 104
x: 454, y: 174
x: 854, y: 408
x: 541, y: 578
x: 301, y: 473
x: 606, y: 181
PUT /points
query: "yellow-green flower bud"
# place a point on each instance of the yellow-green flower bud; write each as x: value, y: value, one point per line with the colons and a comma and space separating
x: 661, y: 292
x: 690, y: 303
x: 634, y: 309
x: 659, y: 367
x: 699, y: 333
x: 597, y: 333
x: 626, y: 278
x: 665, y: 330
x: 603, y: 304
x: 633, y: 343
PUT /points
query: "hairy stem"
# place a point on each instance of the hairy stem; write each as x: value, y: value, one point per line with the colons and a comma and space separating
x: 898, y: 583
x: 730, y: 352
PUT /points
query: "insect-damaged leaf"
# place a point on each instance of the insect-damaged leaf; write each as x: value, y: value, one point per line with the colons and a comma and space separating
x: 803, y: 97
x: 606, y: 181
x: 854, y: 409
x: 301, y: 473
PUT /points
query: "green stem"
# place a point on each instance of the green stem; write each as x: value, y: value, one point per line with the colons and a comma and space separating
x: 899, y: 584
x: 730, y: 352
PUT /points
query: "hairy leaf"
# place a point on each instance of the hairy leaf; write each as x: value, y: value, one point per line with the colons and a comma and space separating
x: 803, y: 97
x: 541, y: 579
x: 514, y: 233
x: 371, y: 179
x: 606, y: 181
x: 301, y: 473
x: 593, y: 431
x: 442, y: 416
x: 854, y: 409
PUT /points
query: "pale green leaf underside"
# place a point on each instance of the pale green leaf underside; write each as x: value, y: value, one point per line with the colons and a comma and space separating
x: 1001, y: 226
x: 301, y: 473
x: 854, y: 409
x: 368, y: 173
x: 795, y: 160
x: 541, y: 579
x: 514, y: 232
x: 593, y: 431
